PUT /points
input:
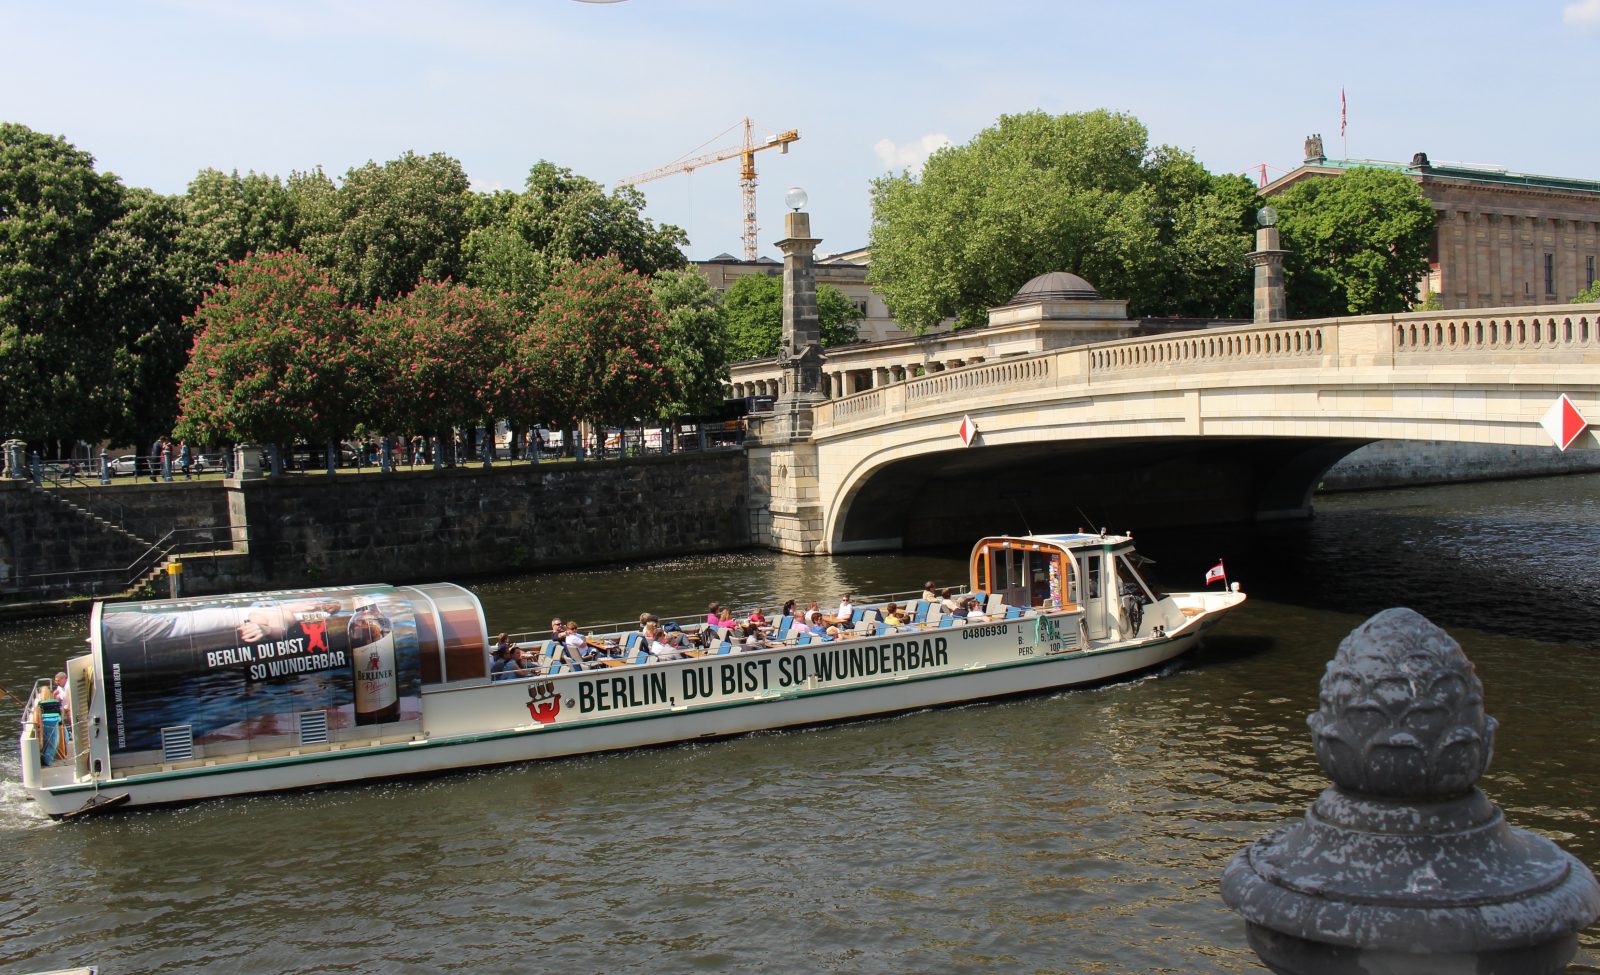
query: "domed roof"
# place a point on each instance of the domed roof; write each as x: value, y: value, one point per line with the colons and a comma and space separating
x: 1055, y: 286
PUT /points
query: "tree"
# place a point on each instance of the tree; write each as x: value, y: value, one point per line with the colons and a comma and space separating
x: 142, y: 281
x: 753, y: 306
x: 435, y: 353
x: 277, y: 357
x: 598, y: 346
x: 226, y: 217
x: 519, y: 239
x: 1080, y: 192
x: 694, y: 348
x: 1358, y: 243
x: 1593, y: 294
x: 385, y: 226
x: 59, y: 353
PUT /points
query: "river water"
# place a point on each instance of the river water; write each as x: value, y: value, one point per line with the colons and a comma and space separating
x: 1073, y: 832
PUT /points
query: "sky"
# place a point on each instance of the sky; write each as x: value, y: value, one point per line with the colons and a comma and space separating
x: 157, y: 90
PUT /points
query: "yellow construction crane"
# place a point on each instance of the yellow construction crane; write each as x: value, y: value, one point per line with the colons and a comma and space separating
x: 747, y: 173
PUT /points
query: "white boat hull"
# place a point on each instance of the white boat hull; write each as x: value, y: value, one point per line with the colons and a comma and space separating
x: 595, y: 711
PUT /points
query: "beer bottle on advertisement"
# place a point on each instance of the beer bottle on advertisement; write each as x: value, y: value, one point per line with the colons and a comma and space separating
x: 372, y: 662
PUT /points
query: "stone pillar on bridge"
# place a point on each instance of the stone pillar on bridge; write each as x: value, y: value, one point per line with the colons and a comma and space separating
x: 783, y: 461
x: 1267, y: 259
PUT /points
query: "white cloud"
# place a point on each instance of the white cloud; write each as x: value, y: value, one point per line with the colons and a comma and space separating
x: 913, y: 154
x: 1582, y: 14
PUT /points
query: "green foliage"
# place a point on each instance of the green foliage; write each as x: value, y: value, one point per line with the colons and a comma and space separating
x: 753, y: 307
x: 277, y: 357
x: 227, y: 217
x: 598, y: 346
x: 694, y: 349
x: 1592, y: 294
x: 1358, y: 243
x: 142, y: 279
x: 435, y: 352
x: 1081, y: 192
x: 58, y: 348
x: 519, y: 239
x: 385, y: 226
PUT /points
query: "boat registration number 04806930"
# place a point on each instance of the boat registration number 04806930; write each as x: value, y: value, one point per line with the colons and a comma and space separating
x: 980, y: 632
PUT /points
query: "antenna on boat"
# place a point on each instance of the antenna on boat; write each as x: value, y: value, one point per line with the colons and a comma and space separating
x: 1022, y: 516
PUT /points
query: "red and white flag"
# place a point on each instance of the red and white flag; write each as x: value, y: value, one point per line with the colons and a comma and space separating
x: 1341, y: 113
x: 1214, y: 573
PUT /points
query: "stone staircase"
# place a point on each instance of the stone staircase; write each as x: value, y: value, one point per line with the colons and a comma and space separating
x: 58, y: 497
x: 59, y: 548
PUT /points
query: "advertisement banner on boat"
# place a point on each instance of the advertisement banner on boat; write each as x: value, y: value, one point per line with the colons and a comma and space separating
x: 237, y: 669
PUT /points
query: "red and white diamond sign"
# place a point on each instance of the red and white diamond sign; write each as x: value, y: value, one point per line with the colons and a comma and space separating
x: 969, y: 431
x: 1563, y: 422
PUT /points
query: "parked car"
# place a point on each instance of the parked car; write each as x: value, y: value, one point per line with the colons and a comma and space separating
x: 126, y: 464
x: 208, y: 462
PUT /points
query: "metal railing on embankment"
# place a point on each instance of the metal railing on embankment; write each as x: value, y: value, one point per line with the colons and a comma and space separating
x: 118, y: 579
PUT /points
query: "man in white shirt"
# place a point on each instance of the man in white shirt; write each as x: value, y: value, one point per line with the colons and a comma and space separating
x: 846, y: 608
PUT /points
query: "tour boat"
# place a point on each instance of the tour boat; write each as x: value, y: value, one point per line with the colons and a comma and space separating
x: 186, y: 699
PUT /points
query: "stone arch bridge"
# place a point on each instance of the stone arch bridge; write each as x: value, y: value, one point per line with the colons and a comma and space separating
x: 1212, y: 425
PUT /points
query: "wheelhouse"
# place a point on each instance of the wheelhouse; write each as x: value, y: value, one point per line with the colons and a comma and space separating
x: 1051, y: 572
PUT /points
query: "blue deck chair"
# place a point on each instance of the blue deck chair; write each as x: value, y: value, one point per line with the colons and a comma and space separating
x: 782, y: 632
x: 1013, y: 612
x: 557, y: 667
x: 726, y: 646
x: 945, y: 621
x: 919, y: 611
x: 804, y: 639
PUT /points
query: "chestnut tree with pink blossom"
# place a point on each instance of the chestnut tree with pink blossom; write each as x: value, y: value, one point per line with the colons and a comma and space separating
x: 277, y: 357
x: 439, y: 359
x: 597, y: 346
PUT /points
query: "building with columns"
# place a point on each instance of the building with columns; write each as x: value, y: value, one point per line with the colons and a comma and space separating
x: 1052, y: 311
x: 1501, y: 238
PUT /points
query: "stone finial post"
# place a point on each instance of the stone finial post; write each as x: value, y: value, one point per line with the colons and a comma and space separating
x: 1403, y: 866
x: 800, y: 350
x: 1267, y: 259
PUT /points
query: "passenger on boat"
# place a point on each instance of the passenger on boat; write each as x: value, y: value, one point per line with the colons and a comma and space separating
x: 713, y: 613
x: 846, y: 610
x: 948, y: 601
x: 725, y: 617
x: 574, y: 645
x: 960, y: 608
x: 758, y: 619
x: 558, y: 630
x: 47, y: 724
x: 660, y: 647
x: 892, y: 617
x: 59, y: 688
x: 927, y: 592
x: 831, y: 633
x: 975, y: 613
x: 503, y: 644
x: 504, y: 666
x: 788, y: 608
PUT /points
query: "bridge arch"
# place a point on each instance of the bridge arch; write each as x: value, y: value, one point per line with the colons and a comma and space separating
x: 1246, y: 420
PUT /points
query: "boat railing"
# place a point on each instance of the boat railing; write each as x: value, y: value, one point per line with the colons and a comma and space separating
x: 692, y: 622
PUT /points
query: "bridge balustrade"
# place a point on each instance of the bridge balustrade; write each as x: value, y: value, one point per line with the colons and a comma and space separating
x: 1509, y: 332
x: 1529, y: 334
